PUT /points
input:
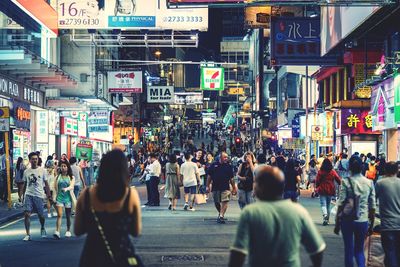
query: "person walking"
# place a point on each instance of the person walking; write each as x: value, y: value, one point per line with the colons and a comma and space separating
x: 387, y: 192
x: 35, y: 187
x: 271, y: 230
x: 245, y: 176
x: 78, y: 175
x: 325, y: 184
x: 220, y: 177
x: 342, y: 166
x: 19, y: 177
x: 64, y: 186
x: 354, y: 228
x: 51, y: 176
x: 191, y: 180
x: 109, y: 213
x: 154, y: 180
x: 312, y: 176
x: 292, y: 181
x: 172, y: 182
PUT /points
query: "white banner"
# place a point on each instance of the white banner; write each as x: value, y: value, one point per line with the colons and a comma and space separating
x: 132, y: 14
x: 124, y: 81
x: 160, y: 94
x: 42, y: 129
x: 188, y: 98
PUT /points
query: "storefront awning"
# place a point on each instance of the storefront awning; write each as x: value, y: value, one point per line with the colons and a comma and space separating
x: 34, y: 70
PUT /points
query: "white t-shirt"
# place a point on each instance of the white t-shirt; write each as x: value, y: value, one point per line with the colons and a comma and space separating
x: 35, y: 179
x: 189, y: 170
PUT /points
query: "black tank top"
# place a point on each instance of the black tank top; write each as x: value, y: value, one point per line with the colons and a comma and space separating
x: 118, y: 229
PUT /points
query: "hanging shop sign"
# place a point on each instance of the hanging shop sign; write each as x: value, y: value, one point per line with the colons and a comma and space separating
x: 4, y: 119
x: 295, y: 41
x: 42, y: 128
x: 21, y: 115
x: 21, y: 92
x: 356, y: 121
x: 188, y: 98
x: 82, y: 128
x: 160, y: 94
x: 125, y: 81
x: 258, y: 17
x: 293, y: 143
x: 317, y: 133
x: 98, y: 121
x: 236, y: 91
x: 69, y: 126
x: 212, y: 78
x: 54, y: 123
x: 296, y: 127
x: 84, y: 150
x: 397, y: 98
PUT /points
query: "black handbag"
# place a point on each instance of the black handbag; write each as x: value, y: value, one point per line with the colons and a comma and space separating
x: 131, y: 261
x: 351, y: 206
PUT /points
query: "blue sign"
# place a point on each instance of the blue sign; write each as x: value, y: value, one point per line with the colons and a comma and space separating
x: 296, y: 127
x: 296, y: 41
x: 98, y: 128
x: 21, y: 115
x: 131, y: 21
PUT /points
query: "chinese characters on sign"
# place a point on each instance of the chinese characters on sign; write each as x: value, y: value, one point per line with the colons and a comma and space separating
x: 295, y: 39
x: 355, y: 121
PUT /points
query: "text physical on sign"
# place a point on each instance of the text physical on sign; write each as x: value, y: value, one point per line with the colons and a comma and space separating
x: 160, y: 94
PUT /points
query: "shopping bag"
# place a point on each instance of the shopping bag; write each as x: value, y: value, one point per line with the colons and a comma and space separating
x: 333, y: 212
x: 374, y: 254
x: 200, y: 199
x: 73, y: 199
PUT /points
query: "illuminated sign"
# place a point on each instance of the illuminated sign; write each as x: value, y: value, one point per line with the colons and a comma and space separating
x: 356, y: 121
x: 397, y: 98
x: 212, y: 78
x: 125, y: 82
x: 69, y: 126
x: 21, y: 114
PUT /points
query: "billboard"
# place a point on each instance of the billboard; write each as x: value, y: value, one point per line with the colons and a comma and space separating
x: 337, y: 22
x: 191, y: 98
x: 212, y: 78
x: 128, y: 14
x: 295, y: 41
x: 160, y: 94
x: 257, y: 17
x: 125, y: 82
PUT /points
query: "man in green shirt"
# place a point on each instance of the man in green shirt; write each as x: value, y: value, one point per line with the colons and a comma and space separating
x: 271, y: 230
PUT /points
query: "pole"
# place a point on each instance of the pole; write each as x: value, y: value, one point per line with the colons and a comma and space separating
x: 307, y: 137
x: 7, y: 146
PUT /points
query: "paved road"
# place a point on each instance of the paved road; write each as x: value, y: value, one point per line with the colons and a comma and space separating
x: 165, y: 235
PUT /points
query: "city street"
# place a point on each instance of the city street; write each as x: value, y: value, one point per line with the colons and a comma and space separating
x: 180, y: 238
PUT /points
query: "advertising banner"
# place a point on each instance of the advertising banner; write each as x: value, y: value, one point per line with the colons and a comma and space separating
x: 160, y: 94
x: 69, y: 126
x: 293, y: 143
x: 295, y: 41
x: 296, y: 127
x: 397, y: 98
x: 191, y: 98
x: 42, y: 129
x: 84, y: 150
x: 21, y: 115
x: 356, y: 121
x: 125, y: 82
x: 98, y: 121
x: 54, y: 123
x: 212, y: 78
x: 257, y: 17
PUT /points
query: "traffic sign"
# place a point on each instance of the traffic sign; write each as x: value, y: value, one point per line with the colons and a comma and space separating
x: 317, y: 133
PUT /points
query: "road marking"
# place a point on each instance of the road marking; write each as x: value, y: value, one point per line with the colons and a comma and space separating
x: 14, y: 222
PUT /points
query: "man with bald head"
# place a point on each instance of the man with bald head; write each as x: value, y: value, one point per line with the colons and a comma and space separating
x: 220, y: 176
x: 271, y: 230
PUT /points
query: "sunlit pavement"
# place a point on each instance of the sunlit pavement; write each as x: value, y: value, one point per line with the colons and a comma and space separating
x: 179, y: 238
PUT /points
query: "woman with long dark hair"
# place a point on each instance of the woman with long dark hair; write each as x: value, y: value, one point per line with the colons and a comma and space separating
x: 19, y: 177
x: 63, y: 184
x: 109, y: 212
x: 292, y: 181
x: 325, y: 184
x: 245, y: 175
x: 172, y: 191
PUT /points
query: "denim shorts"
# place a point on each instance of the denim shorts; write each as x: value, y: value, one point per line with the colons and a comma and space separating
x: 67, y: 205
x: 190, y: 189
x: 33, y: 203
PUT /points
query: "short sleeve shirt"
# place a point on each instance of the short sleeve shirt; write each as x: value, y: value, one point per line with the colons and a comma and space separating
x: 220, y: 175
x: 272, y: 231
x: 189, y: 170
x: 35, y: 182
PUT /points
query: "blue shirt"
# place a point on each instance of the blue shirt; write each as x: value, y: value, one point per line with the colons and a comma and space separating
x: 220, y: 175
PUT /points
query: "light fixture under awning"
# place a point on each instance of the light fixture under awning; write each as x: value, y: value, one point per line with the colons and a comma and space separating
x: 34, y: 70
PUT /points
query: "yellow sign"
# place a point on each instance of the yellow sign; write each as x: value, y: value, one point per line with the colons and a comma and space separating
x: 236, y: 91
x: 4, y: 112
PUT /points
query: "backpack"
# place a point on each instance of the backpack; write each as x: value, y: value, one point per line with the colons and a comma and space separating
x: 371, y: 172
x: 341, y: 168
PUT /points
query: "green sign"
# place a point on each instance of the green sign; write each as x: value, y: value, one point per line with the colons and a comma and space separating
x: 84, y: 150
x: 212, y: 78
x: 397, y: 98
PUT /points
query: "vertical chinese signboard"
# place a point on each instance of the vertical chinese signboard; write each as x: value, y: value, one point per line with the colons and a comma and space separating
x: 397, y: 98
x: 212, y: 78
x: 296, y: 41
x: 356, y: 121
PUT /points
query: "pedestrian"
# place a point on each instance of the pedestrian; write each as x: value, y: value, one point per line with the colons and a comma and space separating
x: 272, y: 161
x: 109, y: 213
x: 387, y: 192
x: 381, y: 167
x: 19, y: 177
x: 191, y: 179
x: 245, y: 176
x: 312, y: 176
x: 51, y: 176
x: 281, y: 162
x: 77, y: 173
x: 154, y: 180
x: 325, y: 184
x: 360, y: 191
x: 271, y: 230
x: 342, y: 166
x: 64, y: 187
x: 3, y: 176
x: 35, y: 187
x: 372, y: 172
x: 219, y: 179
x: 292, y: 181
x: 172, y: 182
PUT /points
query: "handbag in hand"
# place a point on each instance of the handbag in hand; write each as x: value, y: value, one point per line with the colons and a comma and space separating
x: 133, y: 260
x: 350, y: 210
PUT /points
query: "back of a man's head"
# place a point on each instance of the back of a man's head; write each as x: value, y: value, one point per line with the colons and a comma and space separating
x: 269, y: 183
x: 188, y: 156
x: 391, y: 168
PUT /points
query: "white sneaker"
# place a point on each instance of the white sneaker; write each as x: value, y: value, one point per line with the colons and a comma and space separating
x: 68, y: 234
x: 27, y: 238
x: 54, y: 214
x: 43, y: 233
x: 49, y: 215
x: 192, y: 209
x: 56, y: 235
x: 186, y: 206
